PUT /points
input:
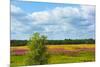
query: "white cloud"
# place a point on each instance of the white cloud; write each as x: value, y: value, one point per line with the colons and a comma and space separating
x: 87, y: 10
x: 59, y: 18
x: 55, y: 15
x: 40, y: 17
x: 15, y: 9
x: 57, y: 21
x: 65, y: 11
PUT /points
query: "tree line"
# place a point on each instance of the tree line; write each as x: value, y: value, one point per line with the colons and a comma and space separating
x: 55, y: 42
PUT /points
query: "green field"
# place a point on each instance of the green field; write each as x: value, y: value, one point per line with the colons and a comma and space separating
x: 60, y: 54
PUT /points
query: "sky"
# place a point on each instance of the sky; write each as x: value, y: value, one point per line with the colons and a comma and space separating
x: 55, y: 20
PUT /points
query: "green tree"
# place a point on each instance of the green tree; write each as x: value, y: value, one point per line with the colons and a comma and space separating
x: 37, y: 54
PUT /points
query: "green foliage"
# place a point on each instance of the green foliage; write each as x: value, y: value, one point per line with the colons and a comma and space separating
x: 50, y: 42
x: 18, y: 42
x: 37, y: 54
x: 71, y: 41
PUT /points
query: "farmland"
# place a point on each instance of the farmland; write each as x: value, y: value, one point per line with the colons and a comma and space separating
x: 66, y: 53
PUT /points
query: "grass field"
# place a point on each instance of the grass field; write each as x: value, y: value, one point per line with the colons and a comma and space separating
x: 69, y: 53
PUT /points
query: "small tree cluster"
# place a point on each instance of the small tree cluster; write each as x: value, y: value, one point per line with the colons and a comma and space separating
x: 37, y: 54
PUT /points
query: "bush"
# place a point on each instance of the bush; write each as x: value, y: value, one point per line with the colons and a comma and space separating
x: 37, y: 54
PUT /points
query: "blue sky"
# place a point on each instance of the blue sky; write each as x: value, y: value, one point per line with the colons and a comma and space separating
x: 55, y: 20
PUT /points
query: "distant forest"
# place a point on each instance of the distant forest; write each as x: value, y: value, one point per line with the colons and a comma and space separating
x: 55, y: 42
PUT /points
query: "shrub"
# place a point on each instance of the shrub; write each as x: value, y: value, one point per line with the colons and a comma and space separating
x: 37, y: 53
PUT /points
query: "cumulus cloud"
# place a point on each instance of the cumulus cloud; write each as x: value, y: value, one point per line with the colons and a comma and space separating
x: 40, y: 16
x: 56, y: 23
x: 15, y: 9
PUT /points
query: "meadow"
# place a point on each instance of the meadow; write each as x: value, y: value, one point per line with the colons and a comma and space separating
x: 66, y: 53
